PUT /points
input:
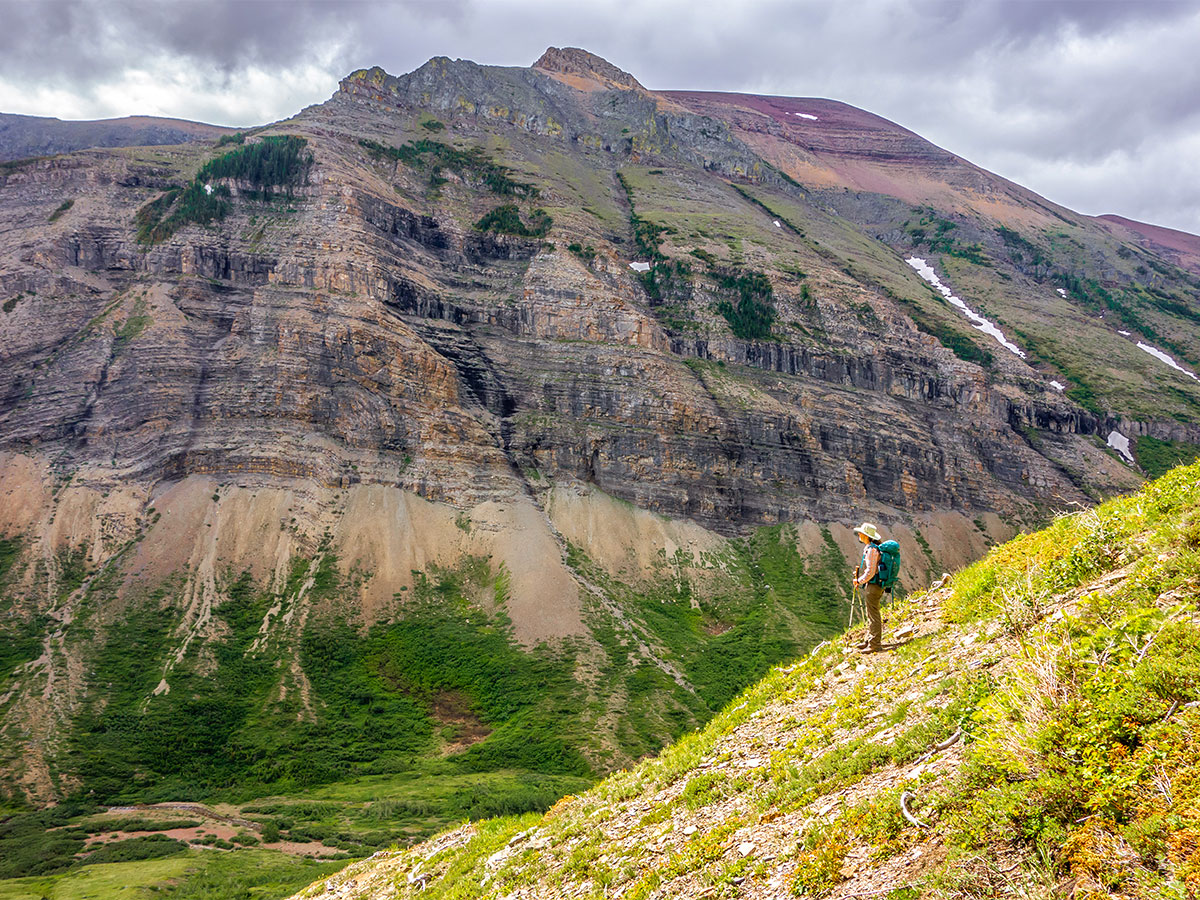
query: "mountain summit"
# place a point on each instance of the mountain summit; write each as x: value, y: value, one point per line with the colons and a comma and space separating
x: 580, y: 68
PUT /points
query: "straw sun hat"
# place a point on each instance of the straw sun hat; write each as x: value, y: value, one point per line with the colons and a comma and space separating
x: 869, y: 530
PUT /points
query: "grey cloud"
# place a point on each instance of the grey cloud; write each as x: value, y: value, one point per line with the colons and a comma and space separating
x: 83, y: 40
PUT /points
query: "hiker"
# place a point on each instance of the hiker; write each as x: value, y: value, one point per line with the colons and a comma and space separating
x: 871, y: 578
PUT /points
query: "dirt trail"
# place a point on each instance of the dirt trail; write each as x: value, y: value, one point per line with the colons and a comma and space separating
x: 224, y: 826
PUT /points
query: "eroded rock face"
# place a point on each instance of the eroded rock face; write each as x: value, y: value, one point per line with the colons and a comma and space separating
x: 368, y: 334
x: 576, y: 63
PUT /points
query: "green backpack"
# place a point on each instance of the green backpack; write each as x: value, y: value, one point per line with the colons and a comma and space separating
x: 889, y: 564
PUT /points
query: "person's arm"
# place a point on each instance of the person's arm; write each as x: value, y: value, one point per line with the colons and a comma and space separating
x: 872, y: 556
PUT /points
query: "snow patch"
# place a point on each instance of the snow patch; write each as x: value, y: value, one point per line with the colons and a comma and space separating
x: 208, y: 189
x: 640, y: 266
x: 1062, y: 293
x: 1058, y: 387
x: 1125, y: 333
x: 983, y: 324
x: 1166, y: 358
x: 808, y: 116
x: 777, y: 225
x: 1120, y: 443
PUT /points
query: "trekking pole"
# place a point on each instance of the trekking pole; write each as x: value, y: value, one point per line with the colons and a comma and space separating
x: 853, y: 599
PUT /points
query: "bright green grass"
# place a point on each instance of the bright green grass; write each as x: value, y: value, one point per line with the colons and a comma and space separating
x: 116, y: 880
x: 376, y: 811
x: 195, y: 875
x: 1158, y: 457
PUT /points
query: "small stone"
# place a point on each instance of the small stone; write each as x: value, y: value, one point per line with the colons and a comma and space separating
x: 690, y: 830
x: 745, y: 848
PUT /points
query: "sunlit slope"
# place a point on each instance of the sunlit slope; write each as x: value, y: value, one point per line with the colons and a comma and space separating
x: 1032, y: 725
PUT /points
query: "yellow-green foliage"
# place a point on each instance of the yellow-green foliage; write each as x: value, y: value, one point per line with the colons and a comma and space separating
x: 819, y: 862
x: 1085, y: 753
x: 1014, y: 579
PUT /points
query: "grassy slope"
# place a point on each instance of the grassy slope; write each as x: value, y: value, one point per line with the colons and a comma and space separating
x: 1067, y: 663
x: 195, y: 875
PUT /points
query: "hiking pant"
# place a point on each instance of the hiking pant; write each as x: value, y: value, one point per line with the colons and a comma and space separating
x: 872, y: 594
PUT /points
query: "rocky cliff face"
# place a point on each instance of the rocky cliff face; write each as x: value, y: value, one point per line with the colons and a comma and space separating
x: 715, y: 323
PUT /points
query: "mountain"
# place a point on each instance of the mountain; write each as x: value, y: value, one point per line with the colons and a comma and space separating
x: 1033, y: 724
x: 479, y: 431
x: 1178, y: 246
x: 27, y: 136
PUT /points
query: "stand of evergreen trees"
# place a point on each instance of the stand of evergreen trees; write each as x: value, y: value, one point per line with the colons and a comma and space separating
x: 277, y: 163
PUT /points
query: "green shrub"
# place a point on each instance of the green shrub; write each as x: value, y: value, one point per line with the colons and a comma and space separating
x: 29, y: 847
x: 587, y: 254
x: 472, y: 164
x: 506, y: 219
x: 10, y: 552
x: 152, y: 846
x: 165, y: 215
x: 819, y: 861
x: 703, y: 789
x: 667, y: 279
x: 63, y: 207
x: 751, y: 316
x: 219, y: 730
x: 101, y: 826
x: 1157, y: 457
x: 954, y: 340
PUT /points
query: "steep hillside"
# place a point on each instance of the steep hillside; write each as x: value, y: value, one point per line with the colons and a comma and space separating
x: 1030, y: 731
x: 481, y: 430
x: 1179, y: 246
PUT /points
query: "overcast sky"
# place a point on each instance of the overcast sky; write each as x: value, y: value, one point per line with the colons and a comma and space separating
x: 1095, y: 105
